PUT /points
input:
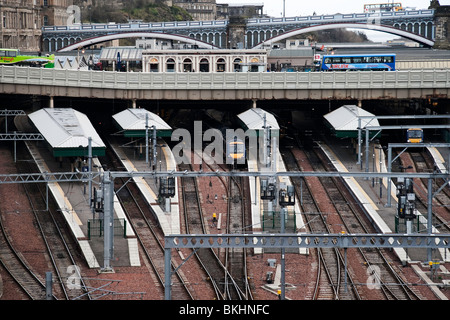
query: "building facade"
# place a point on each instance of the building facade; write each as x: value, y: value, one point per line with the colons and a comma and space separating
x: 22, y: 20
x: 54, y: 12
x: 20, y: 24
x: 210, y: 10
x: 189, y: 60
x: 198, y: 9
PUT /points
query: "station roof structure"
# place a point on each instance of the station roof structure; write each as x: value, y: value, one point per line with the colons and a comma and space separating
x: 253, y: 119
x: 67, y: 131
x: 126, y: 54
x: 343, y: 121
x: 132, y: 123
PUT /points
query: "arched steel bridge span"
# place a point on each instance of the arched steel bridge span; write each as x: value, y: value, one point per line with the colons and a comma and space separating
x: 268, y: 42
x: 156, y: 35
x: 254, y: 31
x: 364, y: 26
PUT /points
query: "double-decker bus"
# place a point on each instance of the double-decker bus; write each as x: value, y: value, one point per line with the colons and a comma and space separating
x: 383, y: 7
x: 13, y: 57
x: 358, y: 62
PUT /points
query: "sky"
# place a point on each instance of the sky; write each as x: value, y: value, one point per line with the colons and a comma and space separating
x: 274, y: 8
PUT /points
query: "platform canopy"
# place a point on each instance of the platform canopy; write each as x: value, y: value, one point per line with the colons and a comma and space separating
x: 254, y: 119
x: 126, y: 54
x: 343, y: 121
x: 67, y: 131
x: 131, y: 122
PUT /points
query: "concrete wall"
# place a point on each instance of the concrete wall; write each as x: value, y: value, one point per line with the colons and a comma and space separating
x: 226, y: 86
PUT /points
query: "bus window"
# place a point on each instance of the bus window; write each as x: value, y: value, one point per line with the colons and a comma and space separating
x: 327, y: 60
x: 357, y: 59
x: 388, y: 59
x: 336, y: 60
x: 346, y: 60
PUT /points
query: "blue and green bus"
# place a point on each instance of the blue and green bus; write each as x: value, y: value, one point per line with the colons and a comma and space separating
x: 358, y: 62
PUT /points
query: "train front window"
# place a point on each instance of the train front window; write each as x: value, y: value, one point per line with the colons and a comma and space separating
x: 238, y: 148
x: 415, y: 133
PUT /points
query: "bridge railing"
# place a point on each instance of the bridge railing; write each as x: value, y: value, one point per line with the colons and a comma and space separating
x: 227, y: 81
x: 134, y: 26
x: 344, y: 17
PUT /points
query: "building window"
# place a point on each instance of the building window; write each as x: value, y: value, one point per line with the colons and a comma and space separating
x: 187, y: 65
x: 45, y: 20
x: 220, y: 65
x: 237, y: 65
x: 154, y: 66
x: 204, y: 65
x: 170, y: 65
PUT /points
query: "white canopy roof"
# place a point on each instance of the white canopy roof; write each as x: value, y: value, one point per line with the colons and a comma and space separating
x: 254, y: 119
x: 65, y: 128
x: 134, y: 119
x: 346, y: 118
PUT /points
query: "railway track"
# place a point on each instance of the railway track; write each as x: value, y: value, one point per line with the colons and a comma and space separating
x: 330, y: 271
x: 387, y: 279
x: 347, y: 216
x: 58, y: 246
x: 194, y: 222
x: 148, y: 233
x: 18, y: 269
x: 422, y: 162
x: 236, y: 259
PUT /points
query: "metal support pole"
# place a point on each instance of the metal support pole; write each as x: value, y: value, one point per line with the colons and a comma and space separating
x: 283, y: 262
x: 154, y: 147
x: 345, y: 270
x: 146, y: 138
x: 15, y: 148
x: 359, y: 142
x: 388, y: 204
x: 167, y: 275
x: 430, y: 214
x: 48, y: 286
x: 90, y: 169
x: 46, y: 196
x: 367, y: 149
x: 108, y: 222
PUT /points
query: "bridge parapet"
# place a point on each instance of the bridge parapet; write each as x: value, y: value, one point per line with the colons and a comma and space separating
x: 226, y: 86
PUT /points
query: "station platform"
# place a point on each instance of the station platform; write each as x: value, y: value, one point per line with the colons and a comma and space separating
x: 368, y: 193
x: 167, y: 212
x: 73, y: 201
x: 258, y: 206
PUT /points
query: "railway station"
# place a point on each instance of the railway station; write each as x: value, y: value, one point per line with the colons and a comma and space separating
x: 139, y: 144
x: 237, y: 159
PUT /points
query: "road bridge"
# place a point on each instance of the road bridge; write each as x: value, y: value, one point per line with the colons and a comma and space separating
x: 420, y: 23
x: 413, y: 84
